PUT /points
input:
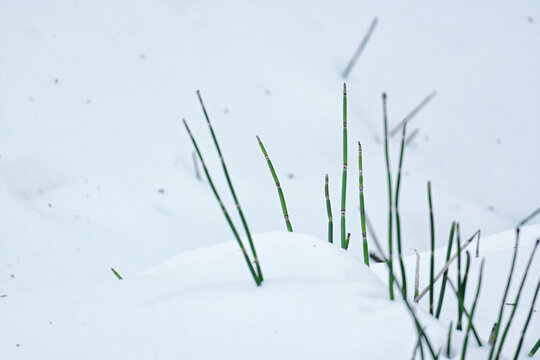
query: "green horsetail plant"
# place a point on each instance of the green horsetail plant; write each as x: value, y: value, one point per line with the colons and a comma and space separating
x: 396, y: 210
x: 501, y: 308
x: 116, y: 274
x: 524, y: 330
x: 447, y: 265
x: 258, y: 280
x: 459, y: 283
x: 449, y: 341
x: 347, y: 240
x: 475, y: 333
x: 276, y: 180
x: 391, y: 272
x: 534, y: 348
x: 466, y: 275
x: 231, y: 188
x: 344, y: 175
x: 415, y: 111
x: 362, y: 208
x: 328, y: 211
x: 418, y: 326
x: 432, y: 257
x: 445, y: 275
x: 516, y: 301
x: 471, y: 315
x: 360, y: 49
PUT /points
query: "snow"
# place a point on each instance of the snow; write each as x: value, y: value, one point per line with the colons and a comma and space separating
x: 96, y: 169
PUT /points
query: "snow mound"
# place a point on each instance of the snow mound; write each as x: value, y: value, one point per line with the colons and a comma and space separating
x: 317, y: 302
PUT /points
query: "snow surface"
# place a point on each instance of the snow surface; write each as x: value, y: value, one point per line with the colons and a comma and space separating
x: 96, y: 169
x: 317, y: 302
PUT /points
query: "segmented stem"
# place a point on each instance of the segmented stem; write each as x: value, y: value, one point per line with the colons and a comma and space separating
x: 459, y: 283
x: 471, y: 315
x: 278, y: 186
x: 445, y: 275
x: 475, y: 333
x: 362, y: 206
x: 391, y: 272
x: 432, y: 257
x: 344, y: 174
x: 329, y: 211
x: 516, y: 301
x: 396, y: 209
x: 223, y: 209
x: 524, y: 330
x: 231, y: 188
x: 501, y: 308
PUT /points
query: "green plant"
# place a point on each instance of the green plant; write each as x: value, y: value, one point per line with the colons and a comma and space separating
x: 432, y: 258
x: 534, y: 348
x: 116, y: 274
x: 278, y: 186
x: 389, y: 177
x: 396, y: 210
x: 471, y: 315
x: 516, y: 301
x: 445, y: 275
x: 328, y: 211
x: 231, y: 188
x: 258, y: 279
x: 362, y: 206
x: 344, y: 243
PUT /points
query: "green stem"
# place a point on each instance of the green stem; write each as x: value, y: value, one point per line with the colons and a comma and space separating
x: 475, y: 333
x: 329, y: 211
x: 233, y: 193
x: 449, y: 341
x: 278, y: 185
x: 223, y: 209
x: 471, y: 315
x: 501, y: 308
x: 459, y: 289
x: 391, y: 272
x: 362, y: 206
x: 524, y: 330
x: 534, y: 348
x: 445, y: 276
x: 116, y: 274
x: 344, y: 174
x: 396, y: 209
x: 432, y: 258
x: 516, y: 301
